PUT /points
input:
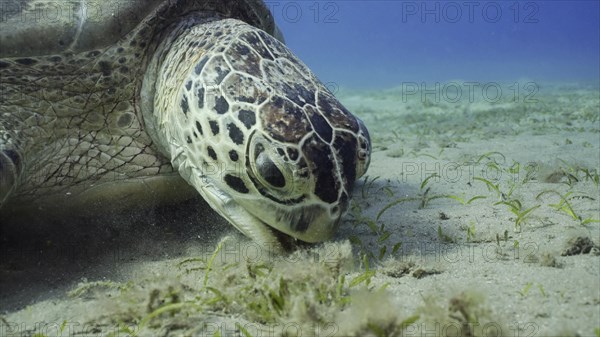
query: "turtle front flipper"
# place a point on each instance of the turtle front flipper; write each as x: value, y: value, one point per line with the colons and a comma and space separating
x: 253, y: 131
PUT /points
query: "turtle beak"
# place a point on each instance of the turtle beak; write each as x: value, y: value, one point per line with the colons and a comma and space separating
x: 309, y: 221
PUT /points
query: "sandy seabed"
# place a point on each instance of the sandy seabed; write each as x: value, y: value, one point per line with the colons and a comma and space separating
x: 479, y: 216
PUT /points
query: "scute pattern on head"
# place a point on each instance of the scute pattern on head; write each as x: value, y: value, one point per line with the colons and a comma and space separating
x: 284, y: 121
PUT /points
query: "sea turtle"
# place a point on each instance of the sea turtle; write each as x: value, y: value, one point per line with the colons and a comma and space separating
x: 110, y: 103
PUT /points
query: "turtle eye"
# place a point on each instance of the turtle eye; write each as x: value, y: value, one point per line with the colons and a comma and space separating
x: 269, y: 171
x: 266, y: 169
x: 280, y: 175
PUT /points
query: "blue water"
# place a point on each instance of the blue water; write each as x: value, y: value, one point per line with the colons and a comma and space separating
x: 378, y: 44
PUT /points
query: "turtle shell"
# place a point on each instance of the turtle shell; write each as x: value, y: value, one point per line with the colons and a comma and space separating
x: 41, y: 27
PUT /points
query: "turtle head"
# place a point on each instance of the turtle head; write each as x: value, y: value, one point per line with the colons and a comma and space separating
x: 259, y: 137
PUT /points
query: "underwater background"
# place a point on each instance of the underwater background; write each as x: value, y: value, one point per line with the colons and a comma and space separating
x: 478, y: 210
x: 381, y: 44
